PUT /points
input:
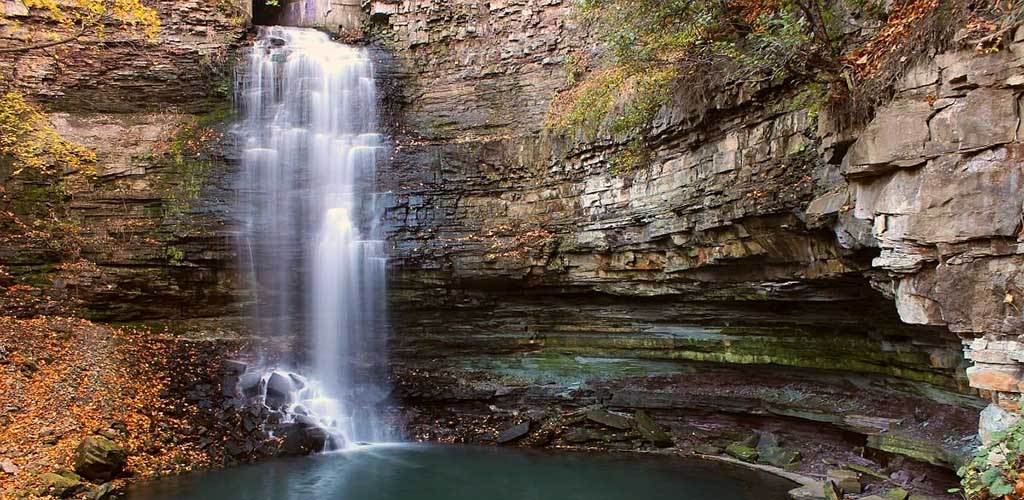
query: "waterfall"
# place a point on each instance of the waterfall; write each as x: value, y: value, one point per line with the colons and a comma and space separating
x: 311, y: 236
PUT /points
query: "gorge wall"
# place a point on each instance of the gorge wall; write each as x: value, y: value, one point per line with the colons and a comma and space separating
x: 834, y: 271
x: 764, y: 272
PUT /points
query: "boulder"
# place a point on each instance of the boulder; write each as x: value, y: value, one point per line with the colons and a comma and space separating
x: 98, y: 458
x: 279, y: 390
x: 651, y: 431
x: 741, y: 452
x: 61, y: 486
x: 609, y: 419
x: 513, y: 433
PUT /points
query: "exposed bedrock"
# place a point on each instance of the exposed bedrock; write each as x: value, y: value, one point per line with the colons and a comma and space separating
x: 149, y: 235
x: 758, y: 242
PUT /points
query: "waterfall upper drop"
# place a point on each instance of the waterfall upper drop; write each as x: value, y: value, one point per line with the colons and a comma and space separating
x: 311, y: 239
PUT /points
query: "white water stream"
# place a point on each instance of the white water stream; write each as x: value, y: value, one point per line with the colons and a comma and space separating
x: 311, y: 239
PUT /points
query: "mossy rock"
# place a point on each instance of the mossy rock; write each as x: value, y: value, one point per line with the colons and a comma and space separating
x: 98, y: 458
x: 741, y: 452
x: 61, y: 486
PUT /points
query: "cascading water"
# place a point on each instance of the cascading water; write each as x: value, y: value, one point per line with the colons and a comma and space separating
x: 311, y: 239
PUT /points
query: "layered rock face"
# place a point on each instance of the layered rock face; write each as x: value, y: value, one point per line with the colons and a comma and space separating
x: 758, y: 249
x: 764, y: 271
x: 148, y: 235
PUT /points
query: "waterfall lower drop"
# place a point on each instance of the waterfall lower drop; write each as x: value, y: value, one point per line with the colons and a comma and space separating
x: 311, y: 240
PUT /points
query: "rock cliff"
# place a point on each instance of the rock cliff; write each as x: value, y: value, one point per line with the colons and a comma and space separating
x: 764, y: 271
x: 758, y: 246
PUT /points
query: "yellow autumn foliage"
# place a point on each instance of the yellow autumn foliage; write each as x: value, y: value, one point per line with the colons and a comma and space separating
x: 29, y: 140
x: 90, y: 15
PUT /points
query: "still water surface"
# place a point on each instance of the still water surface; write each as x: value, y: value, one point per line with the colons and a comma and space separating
x: 430, y: 472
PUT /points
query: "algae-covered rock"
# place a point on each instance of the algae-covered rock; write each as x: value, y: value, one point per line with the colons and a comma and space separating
x: 98, y: 458
x: 651, y: 431
x: 740, y: 452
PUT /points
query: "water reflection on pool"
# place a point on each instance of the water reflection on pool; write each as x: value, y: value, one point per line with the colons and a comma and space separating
x: 428, y: 472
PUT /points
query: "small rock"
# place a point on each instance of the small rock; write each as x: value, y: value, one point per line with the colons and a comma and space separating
x: 98, y: 458
x: 8, y: 467
x: 740, y: 452
x: 515, y: 432
x: 813, y: 491
x: 609, y: 419
x: 651, y: 431
x: 847, y: 480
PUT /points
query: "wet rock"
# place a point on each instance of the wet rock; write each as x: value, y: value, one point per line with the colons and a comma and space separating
x: 102, y: 492
x: 741, y: 452
x: 651, y: 431
x: 279, y: 390
x: 61, y: 486
x: 513, y: 433
x: 249, y: 384
x: 316, y: 438
x: 609, y: 419
x: 98, y: 458
x: 847, y: 480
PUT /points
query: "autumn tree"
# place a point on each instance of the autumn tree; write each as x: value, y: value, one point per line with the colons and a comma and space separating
x: 82, y: 18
